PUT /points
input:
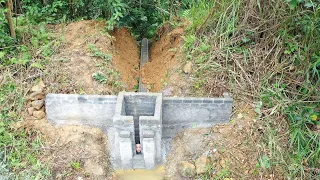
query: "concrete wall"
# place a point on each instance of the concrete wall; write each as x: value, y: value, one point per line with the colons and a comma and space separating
x: 147, y: 108
x: 183, y: 113
x: 71, y: 109
x: 129, y: 117
x: 140, y: 105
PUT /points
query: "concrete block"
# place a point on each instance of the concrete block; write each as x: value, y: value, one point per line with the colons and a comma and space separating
x: 218, y: 100
x: 149, y: 153
x: 148, y: 134
x: 126, y: 153
x: 125, y: 134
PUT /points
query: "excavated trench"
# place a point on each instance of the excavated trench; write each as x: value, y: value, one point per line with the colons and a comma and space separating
x: 73, y: 67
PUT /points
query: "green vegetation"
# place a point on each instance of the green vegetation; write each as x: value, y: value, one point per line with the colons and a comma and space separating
x: 75, y: 165
x: 19, y: 149
x: 95, y: 52
x: 266, y: 52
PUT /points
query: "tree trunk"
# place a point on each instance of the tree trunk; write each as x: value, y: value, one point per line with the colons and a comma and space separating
x: 10, y: 20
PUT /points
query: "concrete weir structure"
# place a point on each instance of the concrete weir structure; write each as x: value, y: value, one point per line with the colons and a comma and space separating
x: 141, y: 118
x: 133, y: 118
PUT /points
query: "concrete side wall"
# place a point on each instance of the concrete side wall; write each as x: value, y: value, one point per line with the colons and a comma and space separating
x: 184, y: 113
x: 139, y: 105
x: 70, y: 109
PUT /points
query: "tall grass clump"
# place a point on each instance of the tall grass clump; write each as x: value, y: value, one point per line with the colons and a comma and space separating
x: 264, y: 52
x: 22, y: 61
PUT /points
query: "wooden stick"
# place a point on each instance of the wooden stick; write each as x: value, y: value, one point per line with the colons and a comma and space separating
x: 9, y: 18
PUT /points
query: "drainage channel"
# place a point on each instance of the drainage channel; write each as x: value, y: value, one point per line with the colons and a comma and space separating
x: 138, y: 160
x: 143, y: 60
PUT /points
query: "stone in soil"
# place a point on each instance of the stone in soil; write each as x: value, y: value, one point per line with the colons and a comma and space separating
x: 36, y: 95
x: 30, y: 111
x: 187, y: 169
x: 201, y: 164
x: 38, y: 104
x: 39, y: 87
x: 223, y: 163
x: 39, y: 114
x: 187, y: 68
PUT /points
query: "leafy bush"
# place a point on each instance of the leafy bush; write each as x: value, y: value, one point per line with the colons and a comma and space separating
x: 5, y: 39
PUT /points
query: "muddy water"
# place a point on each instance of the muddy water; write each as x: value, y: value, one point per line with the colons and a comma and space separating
x: 157, y: 174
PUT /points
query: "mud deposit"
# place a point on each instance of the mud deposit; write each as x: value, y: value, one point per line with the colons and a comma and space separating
x: 157, y: 174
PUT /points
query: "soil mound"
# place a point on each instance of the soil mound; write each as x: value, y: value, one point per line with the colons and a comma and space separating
x: 90, y: 62
x: 231, y: 149
x: 127, y: 57
x: 164, y: 59
x: 73, y: 151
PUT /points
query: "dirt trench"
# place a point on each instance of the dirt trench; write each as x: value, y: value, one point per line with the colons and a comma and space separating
x: 87, y: 49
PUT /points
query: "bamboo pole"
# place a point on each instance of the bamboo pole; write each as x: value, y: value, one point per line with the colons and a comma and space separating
x: 10, y: 20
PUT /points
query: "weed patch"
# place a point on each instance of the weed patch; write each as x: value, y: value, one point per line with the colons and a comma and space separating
x: 264, y: 52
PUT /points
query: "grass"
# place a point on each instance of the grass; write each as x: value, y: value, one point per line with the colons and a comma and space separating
x: 20, y: 65
x: 264, y: 52
x: 95, y: 52
x: 19, y: 149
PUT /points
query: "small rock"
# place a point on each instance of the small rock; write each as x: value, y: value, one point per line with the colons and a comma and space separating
x: 291, y: 67
x: 240, y: 116
x: 30, y: 111
x: 39, y: 87
x: 39, y: 114
x: 214, y: 150
x: 36, y: 88
x: 36, y: 95
x: 187, y: 68
x: 201, y: 164
x: 38, y: 104
x: 187, y: 169
x: 223, y: 163
x: 29, y: 104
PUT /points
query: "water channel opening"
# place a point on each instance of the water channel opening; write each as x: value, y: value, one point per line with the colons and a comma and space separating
x: 136, y: 106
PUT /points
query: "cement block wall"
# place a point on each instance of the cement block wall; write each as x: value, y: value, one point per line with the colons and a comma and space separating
x: 148, y: 117
x: 145, y: 108
x: 73, y: 109
x: 183, y: 113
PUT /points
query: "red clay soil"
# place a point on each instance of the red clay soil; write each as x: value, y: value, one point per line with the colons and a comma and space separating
x: 126, y: 58
x: 164, y: 58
